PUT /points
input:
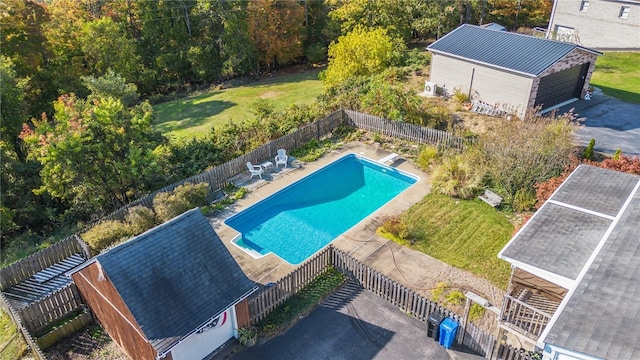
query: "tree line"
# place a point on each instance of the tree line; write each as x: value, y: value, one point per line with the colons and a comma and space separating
x: 77, y: 138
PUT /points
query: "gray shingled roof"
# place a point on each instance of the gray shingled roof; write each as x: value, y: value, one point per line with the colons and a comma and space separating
x: 522, y: 53
x: 601, y: 314
x: 175, y: 277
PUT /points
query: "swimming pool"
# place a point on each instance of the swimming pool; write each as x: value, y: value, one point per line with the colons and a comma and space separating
x: 302, y: 218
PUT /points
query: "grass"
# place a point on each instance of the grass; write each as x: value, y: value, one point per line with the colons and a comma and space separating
x: 12, y: 345
x: 618, y: 75
x: 301, y: 303
x: 194, y: 116
x: 467, y: 234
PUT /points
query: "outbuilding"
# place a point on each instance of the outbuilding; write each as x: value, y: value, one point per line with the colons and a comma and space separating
x: 510, y: 71
x: 173, y: 292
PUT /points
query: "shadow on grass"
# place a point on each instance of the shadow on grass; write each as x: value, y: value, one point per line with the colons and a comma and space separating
x: 627, y: 96
x: 189, y: 112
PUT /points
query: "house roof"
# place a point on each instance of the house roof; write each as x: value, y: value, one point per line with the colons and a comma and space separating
x: 589, y: 231
x: 521, y: 53
x: 175, y: 277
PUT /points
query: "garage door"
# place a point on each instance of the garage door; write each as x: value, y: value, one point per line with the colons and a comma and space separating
x: 561, y: 86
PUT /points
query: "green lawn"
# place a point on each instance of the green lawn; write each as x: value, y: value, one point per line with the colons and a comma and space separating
x: 618, y: 75
x: 195, y: 115
x: 467, y: 234
x: 11, y: 341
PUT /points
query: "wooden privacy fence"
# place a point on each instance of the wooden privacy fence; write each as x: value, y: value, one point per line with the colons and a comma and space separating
x: 59, y: 305
x: 29, y: 266
x: 218, y: 176
x: 33, y: 345
x: 403, y: 130
x: 407, y: 300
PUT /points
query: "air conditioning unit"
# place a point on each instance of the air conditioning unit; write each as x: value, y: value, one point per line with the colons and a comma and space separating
x: 430, y: 88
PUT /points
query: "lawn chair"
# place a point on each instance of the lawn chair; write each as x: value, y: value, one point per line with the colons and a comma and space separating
x: 255, y: 169
x: 282, y: 157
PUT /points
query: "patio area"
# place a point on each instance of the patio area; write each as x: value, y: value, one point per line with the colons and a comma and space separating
x: 409, y: 267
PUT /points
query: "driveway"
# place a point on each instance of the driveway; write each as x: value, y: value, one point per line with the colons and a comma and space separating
x: 352, y: 324
x: 613, y: 123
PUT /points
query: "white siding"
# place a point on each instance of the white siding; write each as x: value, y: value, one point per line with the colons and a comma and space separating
x: 508, y: 90
x: 197, y: 346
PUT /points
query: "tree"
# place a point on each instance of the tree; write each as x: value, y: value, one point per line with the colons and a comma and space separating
x: 111, y: 85
x: 433, y: 19
x: 361, y: 52
x: 96, y: 155
x: 276, y: 27
x: 22, y: 25
x: 516, y: 13
x: 393, y: 16
x: 67, y: 63
x: 107, y: 46
x: 12, y: 107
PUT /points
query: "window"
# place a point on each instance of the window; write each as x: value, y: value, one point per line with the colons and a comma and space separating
x: 624, y: 12
x: 584, y: 5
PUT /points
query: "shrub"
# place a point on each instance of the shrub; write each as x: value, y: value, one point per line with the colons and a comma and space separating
x: 184, y: 197
x: 588, y: 152
x: 455, y: 297
x: 395, y: 226
x: 524, y: 200
x: 415, y: 59
x: 475, y: 312
x: 616, y: 155
x: 316, y: 52
x: 437, y: 292
x: 460, y: 97
x: 456, y: 177
x: 520, y: 154
x: 428, y: 155
x: 105, y: 234
x: 139, y: 219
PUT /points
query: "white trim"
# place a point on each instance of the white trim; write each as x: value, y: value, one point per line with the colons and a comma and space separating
x: 587, y: 265
x: 244, y: 296
x: 557, y: 279
x: 580, y: 209
x: 114, y: 307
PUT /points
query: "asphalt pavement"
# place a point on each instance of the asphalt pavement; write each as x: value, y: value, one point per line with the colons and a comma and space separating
x: 613, y: 123
x: 352, y: 324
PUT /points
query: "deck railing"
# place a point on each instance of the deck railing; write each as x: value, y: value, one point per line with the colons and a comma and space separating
x: 523, y: 318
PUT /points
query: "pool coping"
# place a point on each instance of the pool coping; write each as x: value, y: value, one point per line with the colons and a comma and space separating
x: 360, y: 241
x: 380, y: 163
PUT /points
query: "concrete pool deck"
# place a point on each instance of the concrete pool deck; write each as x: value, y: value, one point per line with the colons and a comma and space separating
x: 409, y: 267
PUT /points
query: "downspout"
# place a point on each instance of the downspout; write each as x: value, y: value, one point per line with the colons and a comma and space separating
x: 553, y: 14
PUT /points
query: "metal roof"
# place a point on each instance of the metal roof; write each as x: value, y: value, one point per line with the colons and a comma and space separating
x: 175, y: 277
x: 518, y: 52
x: 589, y: 233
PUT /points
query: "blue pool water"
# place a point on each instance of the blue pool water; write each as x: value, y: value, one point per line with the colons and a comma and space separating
x: 302, y: 218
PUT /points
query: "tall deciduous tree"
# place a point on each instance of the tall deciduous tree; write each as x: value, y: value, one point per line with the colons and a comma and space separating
x: 22, y: 25
x: 277, y: 30
x: 96, y: 154
x: 67, y: 64
x: 361, y: 52
x: 394, y: 16
x: 106, y: 45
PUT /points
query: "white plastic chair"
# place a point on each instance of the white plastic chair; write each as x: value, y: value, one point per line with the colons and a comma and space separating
x: 255, y: 169
x: 282, y: 157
